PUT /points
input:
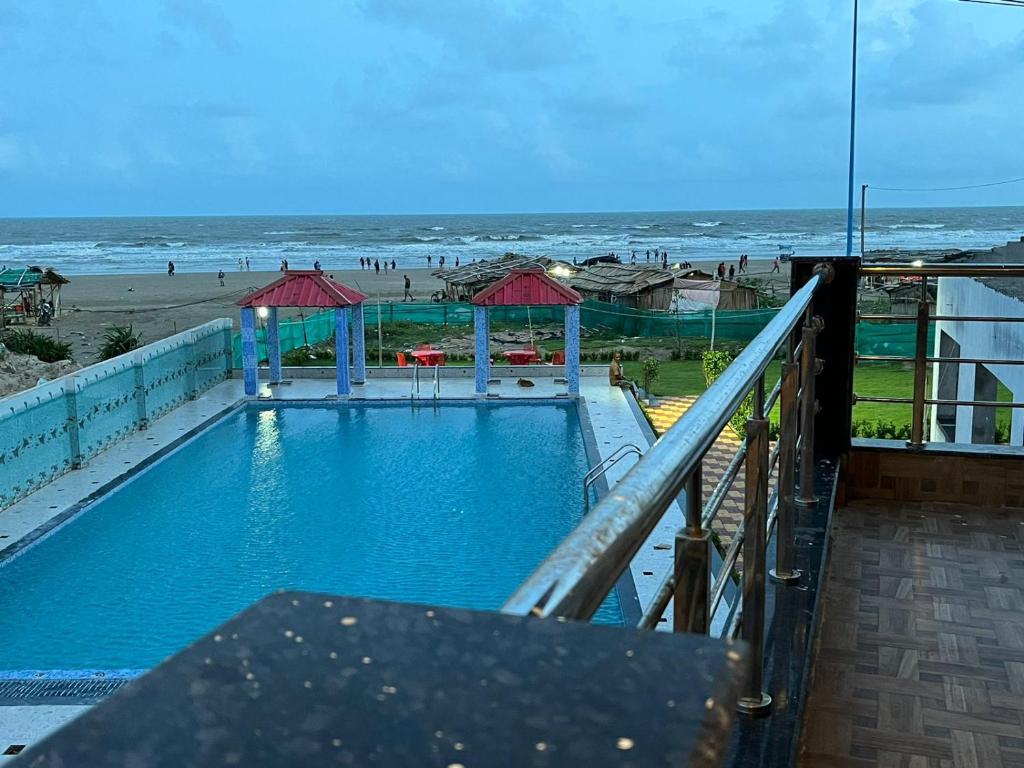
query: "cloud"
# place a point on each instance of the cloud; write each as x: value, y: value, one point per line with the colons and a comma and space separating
x: 505, y: 39
x: 205, y: 19
x: 937, y: 58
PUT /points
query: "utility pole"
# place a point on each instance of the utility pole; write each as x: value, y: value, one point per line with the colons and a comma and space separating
x: 863, y: 199
x: 853, y: 124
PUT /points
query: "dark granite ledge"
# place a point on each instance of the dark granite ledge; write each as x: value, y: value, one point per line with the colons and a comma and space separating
x: 306, y: 679
x: 791, y: 617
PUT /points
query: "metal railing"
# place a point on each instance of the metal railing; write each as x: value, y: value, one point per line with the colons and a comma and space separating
x: 922, y: 318
x: 599, y: 469
x: 437, y: 382
x: 415, y: 392
x: 578, y: 575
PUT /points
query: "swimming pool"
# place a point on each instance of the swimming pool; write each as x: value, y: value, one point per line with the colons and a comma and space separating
x: 452, y: 504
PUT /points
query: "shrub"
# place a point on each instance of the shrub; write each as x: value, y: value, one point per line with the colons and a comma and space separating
x: 26, y: 342
x: 715, y: 362
x: 119, y: 340
x: 881, y: 429
x: 650, y: 370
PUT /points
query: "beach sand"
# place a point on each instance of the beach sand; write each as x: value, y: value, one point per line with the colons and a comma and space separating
x: 157, y: 305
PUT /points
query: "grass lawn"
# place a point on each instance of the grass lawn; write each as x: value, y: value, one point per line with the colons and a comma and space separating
x: 686, y: 377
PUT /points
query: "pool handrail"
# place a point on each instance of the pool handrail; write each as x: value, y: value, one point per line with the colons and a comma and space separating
x: 576, y: 577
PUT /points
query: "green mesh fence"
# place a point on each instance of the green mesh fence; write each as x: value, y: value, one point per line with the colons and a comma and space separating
x: 738, y: 325
x: 890, y: 338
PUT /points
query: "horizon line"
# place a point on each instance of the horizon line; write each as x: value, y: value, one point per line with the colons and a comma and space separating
x: 489, y: 213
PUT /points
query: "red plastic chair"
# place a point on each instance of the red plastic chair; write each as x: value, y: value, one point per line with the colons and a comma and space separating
x: 402, y: 362
x: 558, y: 358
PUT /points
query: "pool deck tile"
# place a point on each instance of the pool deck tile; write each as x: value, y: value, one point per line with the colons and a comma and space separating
x: 27, y: 725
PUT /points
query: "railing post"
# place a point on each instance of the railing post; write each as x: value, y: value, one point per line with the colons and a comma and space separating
x: 784, y: 534
x: 692, y: 564
x: 920, y: 368
x: 753, y: 699
x: 808, y: 411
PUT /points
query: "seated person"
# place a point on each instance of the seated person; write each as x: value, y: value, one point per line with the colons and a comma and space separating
x: 615, y: 377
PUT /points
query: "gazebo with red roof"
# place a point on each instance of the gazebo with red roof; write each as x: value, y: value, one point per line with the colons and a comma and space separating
x: 304, y: 288
x: 527, y: 287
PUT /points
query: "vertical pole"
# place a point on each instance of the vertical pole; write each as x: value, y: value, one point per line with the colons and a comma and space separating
x: 274, y: 346
x: 758, y: 399
x: 341, y: 316
x: 920, y: 368
x: 808, y: 410
x: 74, y: 434
x: 692, y: 564
x: 753, y: 699
x: 380, y: 336
x: 572, y: 347
x: 359, y: 343
x: 481, y: 341
x: 863, y: 201
x: 141, y: 411
x: 784, y: 529
x: 713, y: 312
x: 249, y: 360
x: 853, y: 125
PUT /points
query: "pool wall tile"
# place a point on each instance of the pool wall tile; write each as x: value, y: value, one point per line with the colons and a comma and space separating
x: 53, y: 428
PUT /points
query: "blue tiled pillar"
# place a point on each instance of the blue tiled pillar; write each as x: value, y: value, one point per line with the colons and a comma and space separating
x: 572, y: 347
x: 359, y: 344
x: 249, y: 359
x: 341, y: 348
x: 481, y: 336
x: 274, y: 346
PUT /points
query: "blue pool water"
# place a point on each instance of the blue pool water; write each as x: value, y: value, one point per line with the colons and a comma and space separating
x: 452, y: 505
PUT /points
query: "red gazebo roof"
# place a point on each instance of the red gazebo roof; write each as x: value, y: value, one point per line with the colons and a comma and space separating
x: 304, y: 288
x: 532, y: 287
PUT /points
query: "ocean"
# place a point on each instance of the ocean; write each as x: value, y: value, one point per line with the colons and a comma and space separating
x: 78, y: 246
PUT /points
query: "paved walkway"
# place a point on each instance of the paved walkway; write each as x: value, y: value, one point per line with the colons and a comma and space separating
x: 666, y: 413
x: 920, y: 661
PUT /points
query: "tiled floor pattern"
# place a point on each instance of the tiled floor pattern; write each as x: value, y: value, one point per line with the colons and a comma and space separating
x: 666, y: 413
x: 921, y: 648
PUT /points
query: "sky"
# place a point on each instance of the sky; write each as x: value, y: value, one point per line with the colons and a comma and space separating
x: 192, y: 107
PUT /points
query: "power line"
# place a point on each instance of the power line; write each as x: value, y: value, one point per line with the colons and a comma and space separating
x: 949, y: 189
x: 1010, y: 3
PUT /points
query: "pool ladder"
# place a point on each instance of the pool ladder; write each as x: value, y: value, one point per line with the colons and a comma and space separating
x: 415, y: 393
x: 599, y: 469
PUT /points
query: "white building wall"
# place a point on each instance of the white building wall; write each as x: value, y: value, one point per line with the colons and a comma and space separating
x: 999, y: 341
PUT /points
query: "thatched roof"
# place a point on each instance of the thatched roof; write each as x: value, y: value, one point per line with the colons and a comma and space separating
x: 619, y: 279
x: 487, y: 271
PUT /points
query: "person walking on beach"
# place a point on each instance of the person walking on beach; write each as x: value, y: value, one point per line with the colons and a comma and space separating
x: 316, y: 265
x: 240, y: 263
x: 775, y: 265
x: 376, y: 266
x: 246, y: 263
x: 361, y: 264
x: 648, y: 255
x: 720, y: 272
x: 732, y: 271
x: 632, y: 258
x: 456, y: 262
x: 220, y: 276
x: 385, y: 266
x: 440, y: 262
x: 428, y: 261
x: 170, y: 268
x: 392, y: 265
x: 408, y: 285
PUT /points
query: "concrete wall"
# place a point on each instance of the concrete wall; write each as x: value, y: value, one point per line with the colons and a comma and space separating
x: 1003, y: 341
